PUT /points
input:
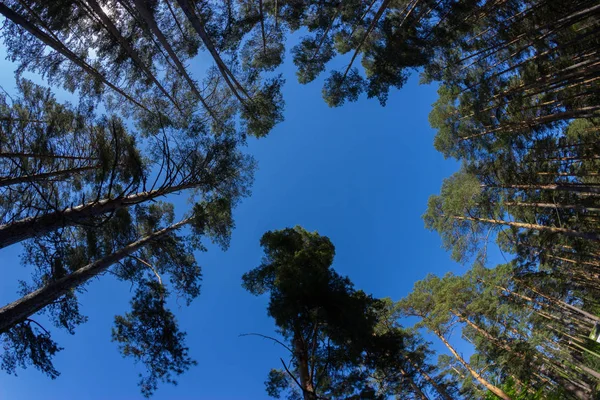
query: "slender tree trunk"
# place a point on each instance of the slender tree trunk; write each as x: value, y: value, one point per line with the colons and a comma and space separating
x: 262, y: 26
x: 302, y: 357
x: 484, y: 333
x: 225, y: 72
x: 575, y: 364
x: 585, y: 112
x: 19, y: 310
x: 579, y: 322
x: 59, y: 47
x: 565, y: 231
x: 329, y: 26
x: 376, y: 18
x: 33, y: 226
x: 112, y: 29
x: 569, y: 260
x: 545, y: 84
x: 578, y: 389
x: 46, y: 156
x: 413, y: 385
x: 44, y: 176
x: 441, y: 391
x: 12, y: 119
x: 561, y: 303
x: 168, y: 2
x: 553, y: 205
x: 565, y: 21
x: 149, y: 18
x: 495, y: 390
x: 569, y: 158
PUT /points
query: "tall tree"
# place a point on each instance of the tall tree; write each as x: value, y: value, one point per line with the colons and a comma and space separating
x: 342, y: 342
x: 118, y: 176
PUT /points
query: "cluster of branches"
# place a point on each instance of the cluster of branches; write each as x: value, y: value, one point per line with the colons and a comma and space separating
x: 530, y: 340
x: 341, y: 342
x: 529, y: 330
x: 132, y: 54
x: 81, y: 193
x: 83, y: 201
x: 518, y: 106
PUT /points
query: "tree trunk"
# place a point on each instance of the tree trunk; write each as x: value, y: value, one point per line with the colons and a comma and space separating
x: 552, y: 205
x: 495, y: 390
x: 569, y: 260
x: 112, y: 29
x: 43, y: 176
x: 149, y: 18
x: 33, y: 226
x: 59, y: 47
x: 565, y: 231
x: 262, y: 26
x: 326, y: 32
x: 378, y: 15
x: 577, y: 389
x: 35, y: 301
x: 11, y: 119
x: 441, y: 391
x: 560, y: 303
x: 48, y: 156
x: 413, y: 385
x: 484, y: 333
x: 585, y: 112
x: 578, y: 321
x: 301, y: 354
x: 225, y: 72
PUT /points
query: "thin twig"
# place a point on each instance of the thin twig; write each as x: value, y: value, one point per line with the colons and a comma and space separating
x: 270, y: 338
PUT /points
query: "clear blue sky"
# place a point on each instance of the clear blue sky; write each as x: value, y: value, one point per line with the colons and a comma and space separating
x: 360, y: 174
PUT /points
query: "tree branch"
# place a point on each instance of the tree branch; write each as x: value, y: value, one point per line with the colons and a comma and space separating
x: 270, y: 338
x: 293, y: 377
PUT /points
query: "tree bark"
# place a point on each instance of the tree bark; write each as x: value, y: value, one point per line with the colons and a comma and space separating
x: 262, y: 26
x: 495, y: 390
x: 553, y: 205
x: 33, y: 226
x: 565, y: 231
x: 19, y: 310
x: 43, y: 176
x: 484, y: 333
x: 569, y: 260
x: 376, y: 18
x: 301, y: 354
x: 585, y: 112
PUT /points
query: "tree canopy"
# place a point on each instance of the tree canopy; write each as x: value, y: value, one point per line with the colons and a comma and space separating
x: 166, y: 94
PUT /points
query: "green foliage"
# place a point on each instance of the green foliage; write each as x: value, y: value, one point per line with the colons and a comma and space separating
x: 310, y: 56
x: 343, y: 343
x: 265, y: 110
x: 276, y: 383
x: 461, y: 195
x: 149, y: 334
x: 523, y: 394
x: 517, y: 105
x: 28, y: 344
x: 341, y: 87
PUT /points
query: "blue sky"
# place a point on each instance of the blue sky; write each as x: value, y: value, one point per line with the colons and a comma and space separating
x: 360, y: 174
